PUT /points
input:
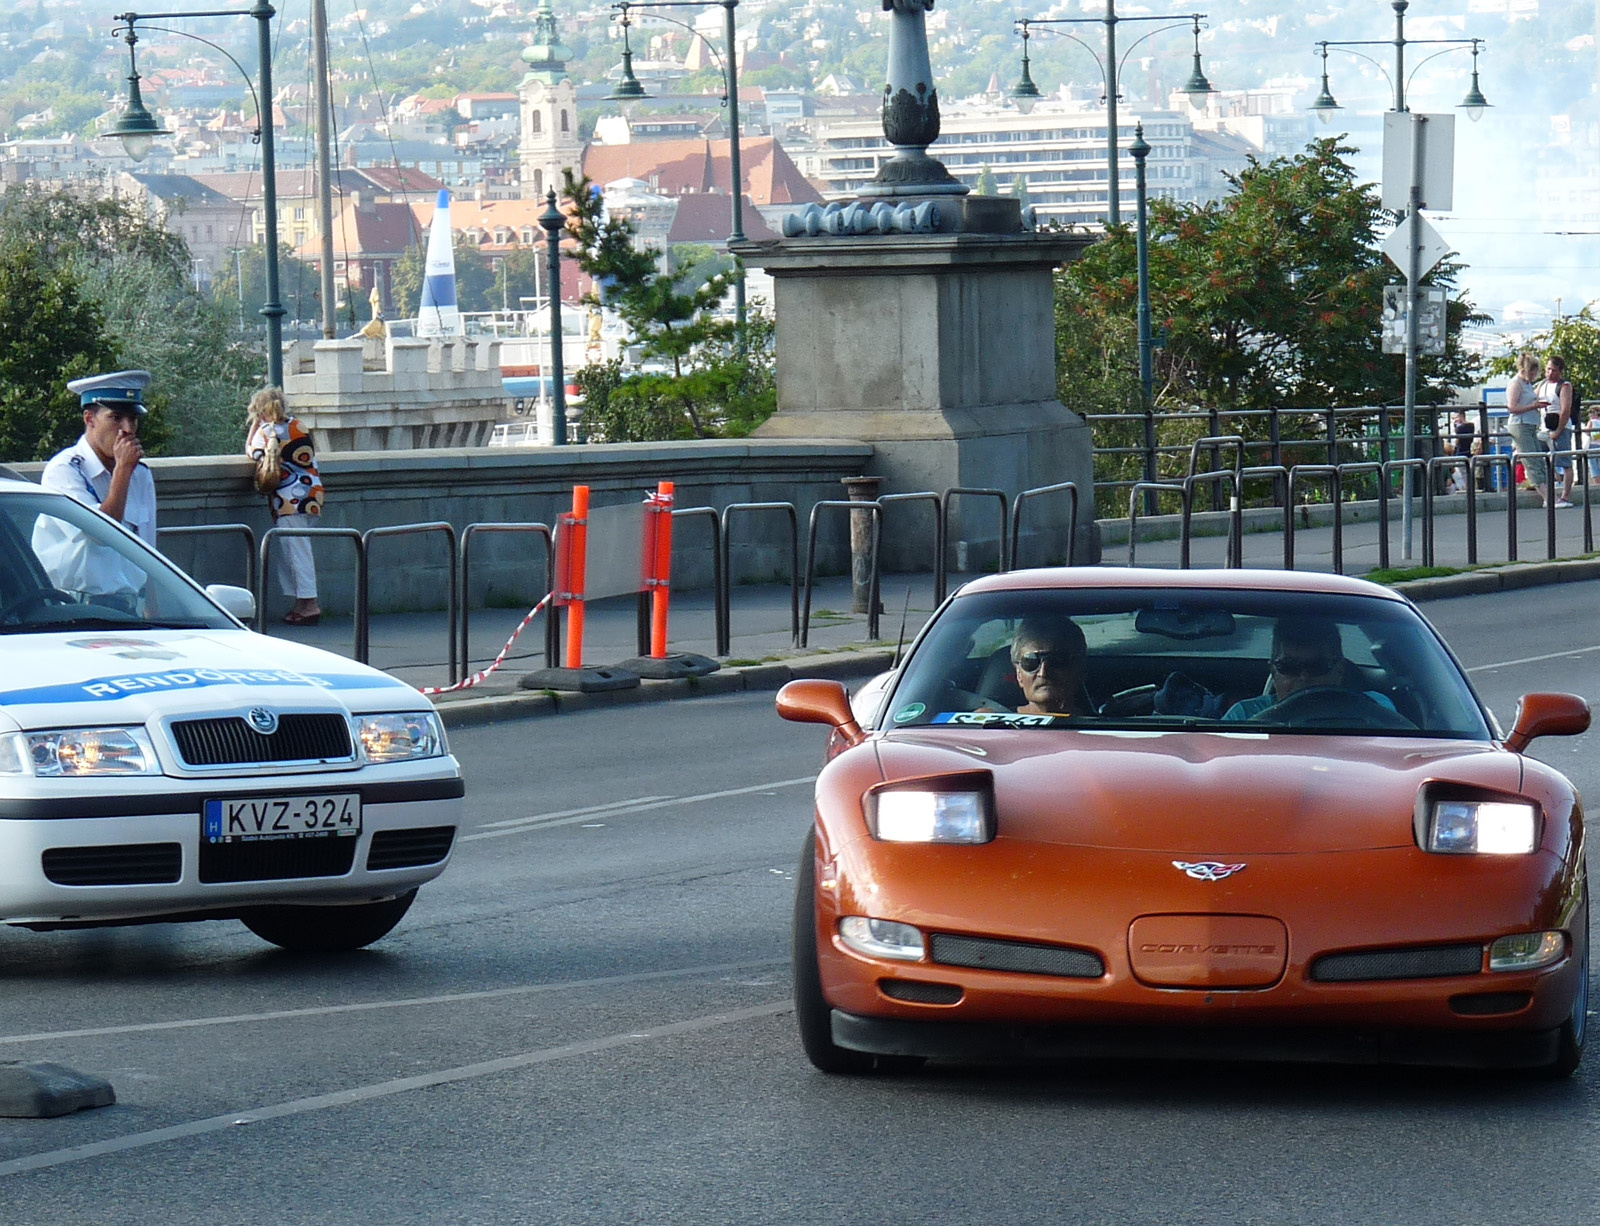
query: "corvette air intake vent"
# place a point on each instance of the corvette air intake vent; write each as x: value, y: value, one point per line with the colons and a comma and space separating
x: 918, y: 992
x: 1421, y: 962
x: 233, y: 742
x: 1020, y: 956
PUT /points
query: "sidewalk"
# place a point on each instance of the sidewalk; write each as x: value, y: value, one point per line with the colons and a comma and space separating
x: 763, y: 654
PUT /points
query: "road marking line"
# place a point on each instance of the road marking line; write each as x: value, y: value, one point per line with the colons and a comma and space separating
x: 381, y: 1089
x: 374, y: 1005
x: 1554, y: 655
x: 539, y: 817
x: 547, y: 821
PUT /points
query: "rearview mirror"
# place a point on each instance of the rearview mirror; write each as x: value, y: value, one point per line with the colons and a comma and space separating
x: 1184, y: 622
x: 813, y: 700
x: 1547, y: 715
x: 239, y: 601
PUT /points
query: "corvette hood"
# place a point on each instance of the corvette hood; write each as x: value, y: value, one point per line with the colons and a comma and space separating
x: 1202, y: 793
x: 61, y: 680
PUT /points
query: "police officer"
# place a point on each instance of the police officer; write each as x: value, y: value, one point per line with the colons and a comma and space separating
x: 104, y: 469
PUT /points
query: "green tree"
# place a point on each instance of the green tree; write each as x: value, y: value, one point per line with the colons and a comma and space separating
x: 1575, y: 338
x: 1019, y: 191
x: 711, y: 389
x: 1270, y: 296
x: 299, y: 287
x: 986, y: 185
x: 50, y: 332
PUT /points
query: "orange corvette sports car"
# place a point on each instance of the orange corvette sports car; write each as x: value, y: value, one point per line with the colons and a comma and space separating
x: 1240, y: 814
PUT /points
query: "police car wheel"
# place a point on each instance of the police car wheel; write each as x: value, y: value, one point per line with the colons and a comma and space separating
x: 325, y: 930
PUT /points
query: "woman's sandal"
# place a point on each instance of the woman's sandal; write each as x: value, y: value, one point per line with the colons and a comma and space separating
x: 301, y: 619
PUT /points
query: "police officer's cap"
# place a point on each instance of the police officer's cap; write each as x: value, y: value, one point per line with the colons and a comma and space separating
x: 121, y: 390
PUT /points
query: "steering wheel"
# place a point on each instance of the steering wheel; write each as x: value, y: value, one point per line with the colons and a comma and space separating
x: 43, y: 595
x: 1324, y: 706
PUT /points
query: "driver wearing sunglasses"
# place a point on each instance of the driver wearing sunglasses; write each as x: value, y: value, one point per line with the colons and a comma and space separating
x: 1307, y: 653
x: 1048, y: 655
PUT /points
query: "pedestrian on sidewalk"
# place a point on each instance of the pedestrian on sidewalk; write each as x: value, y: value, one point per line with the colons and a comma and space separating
x: 1556, y: 392
x: 286, y: 472
x: 1524, y: 411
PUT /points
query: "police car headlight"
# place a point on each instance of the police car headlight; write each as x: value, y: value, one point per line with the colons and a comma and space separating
x: 400, y: 736
x: 79, y: 753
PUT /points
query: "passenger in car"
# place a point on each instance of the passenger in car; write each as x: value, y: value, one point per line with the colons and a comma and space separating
x: 1307, y: 653
x: 1048, y: 655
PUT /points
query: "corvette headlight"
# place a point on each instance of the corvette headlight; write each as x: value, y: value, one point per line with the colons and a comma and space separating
x: 955, y: 809
x: 1486, y: 827
x: 881, y: 938
x: 80, y: 753
x: 1527, y: 951
x: 400, y: 736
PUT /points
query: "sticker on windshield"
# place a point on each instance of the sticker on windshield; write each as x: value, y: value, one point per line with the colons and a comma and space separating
x: 909, y: 712
x: 999, y: 719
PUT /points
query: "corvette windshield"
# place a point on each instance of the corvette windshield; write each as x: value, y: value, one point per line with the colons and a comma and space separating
x: 64, y: 567
x: 1300, y: 662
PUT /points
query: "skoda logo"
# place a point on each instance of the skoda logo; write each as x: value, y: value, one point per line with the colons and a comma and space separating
x: 1206, y: 870
x: 263, y: 721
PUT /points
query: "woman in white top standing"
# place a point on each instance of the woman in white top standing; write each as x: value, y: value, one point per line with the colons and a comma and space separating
x: 1559, y: 416
x: 1523, y: 411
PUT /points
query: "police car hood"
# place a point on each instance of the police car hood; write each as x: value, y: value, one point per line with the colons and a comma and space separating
x: 74, y: 679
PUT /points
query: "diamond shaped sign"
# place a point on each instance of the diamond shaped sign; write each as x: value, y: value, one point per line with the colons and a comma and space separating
x: 1397, y: 245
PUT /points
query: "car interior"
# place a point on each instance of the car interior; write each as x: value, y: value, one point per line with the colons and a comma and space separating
x: 1191, y: 661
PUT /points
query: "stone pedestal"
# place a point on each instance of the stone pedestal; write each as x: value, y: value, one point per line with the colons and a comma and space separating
x: 938, y: 349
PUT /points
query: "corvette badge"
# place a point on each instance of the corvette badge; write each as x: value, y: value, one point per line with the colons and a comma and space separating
x: 1206, y: 870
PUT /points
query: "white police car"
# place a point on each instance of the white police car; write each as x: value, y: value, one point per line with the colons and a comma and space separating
x: 160, y: 762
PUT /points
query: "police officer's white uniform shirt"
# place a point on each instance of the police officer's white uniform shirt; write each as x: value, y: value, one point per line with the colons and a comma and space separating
x: 74, y: 565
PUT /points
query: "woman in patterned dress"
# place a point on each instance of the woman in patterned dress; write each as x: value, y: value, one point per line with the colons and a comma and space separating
x: 297, y: 500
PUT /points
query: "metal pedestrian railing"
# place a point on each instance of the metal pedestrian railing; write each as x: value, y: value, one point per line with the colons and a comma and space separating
x: 552, y: 625
x: 192, y: 531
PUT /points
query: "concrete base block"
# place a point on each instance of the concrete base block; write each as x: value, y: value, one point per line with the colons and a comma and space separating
x: 43, y: 1091
x: 587, y: 680
x: 677, y: 664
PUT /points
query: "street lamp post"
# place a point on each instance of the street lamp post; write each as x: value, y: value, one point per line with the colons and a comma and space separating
x: 1025, y: 93
x: 630, y: 90
x: 1474, y: 104
x: 554, y: 223
x: 137, y: 128
x: 1141, y: 150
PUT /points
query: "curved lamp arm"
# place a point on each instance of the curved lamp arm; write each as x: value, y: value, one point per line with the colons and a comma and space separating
x: 254, y: 97
x: 722, y: 64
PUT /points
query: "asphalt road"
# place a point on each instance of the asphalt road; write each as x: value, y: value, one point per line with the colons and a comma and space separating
x: 586, y: 1020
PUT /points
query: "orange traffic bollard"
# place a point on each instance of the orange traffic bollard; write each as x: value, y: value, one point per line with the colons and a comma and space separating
x: 579, y: 557
x: 661, y: 570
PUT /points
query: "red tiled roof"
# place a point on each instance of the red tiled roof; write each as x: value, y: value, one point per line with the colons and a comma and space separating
x: 686, y: 167
x: 704, y: 218
x: 367, y: 231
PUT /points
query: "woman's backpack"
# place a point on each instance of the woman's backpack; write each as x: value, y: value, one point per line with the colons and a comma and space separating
x: 269, y: 468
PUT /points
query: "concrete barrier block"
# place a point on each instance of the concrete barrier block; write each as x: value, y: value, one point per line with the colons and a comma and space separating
x: 408, y: 355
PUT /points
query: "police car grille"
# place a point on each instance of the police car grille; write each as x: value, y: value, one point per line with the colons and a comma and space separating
x: 122, y: 864
x: 410, y: 848
x: 233, y: 742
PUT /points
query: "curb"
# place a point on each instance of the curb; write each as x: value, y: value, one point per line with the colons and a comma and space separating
x: 834, y: 666
x: 1510, y: 578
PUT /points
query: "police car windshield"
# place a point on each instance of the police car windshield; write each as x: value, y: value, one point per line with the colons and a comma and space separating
x: 66, y: 567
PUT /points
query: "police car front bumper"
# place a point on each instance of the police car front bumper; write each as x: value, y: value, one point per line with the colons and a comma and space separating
x: 95, y: 858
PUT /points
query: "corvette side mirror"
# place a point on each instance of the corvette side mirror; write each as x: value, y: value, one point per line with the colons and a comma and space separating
x: 1547, y: 715
x: 815, y: 701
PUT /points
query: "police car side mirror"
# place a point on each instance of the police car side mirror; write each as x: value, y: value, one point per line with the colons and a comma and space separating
x: 239, y: 601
